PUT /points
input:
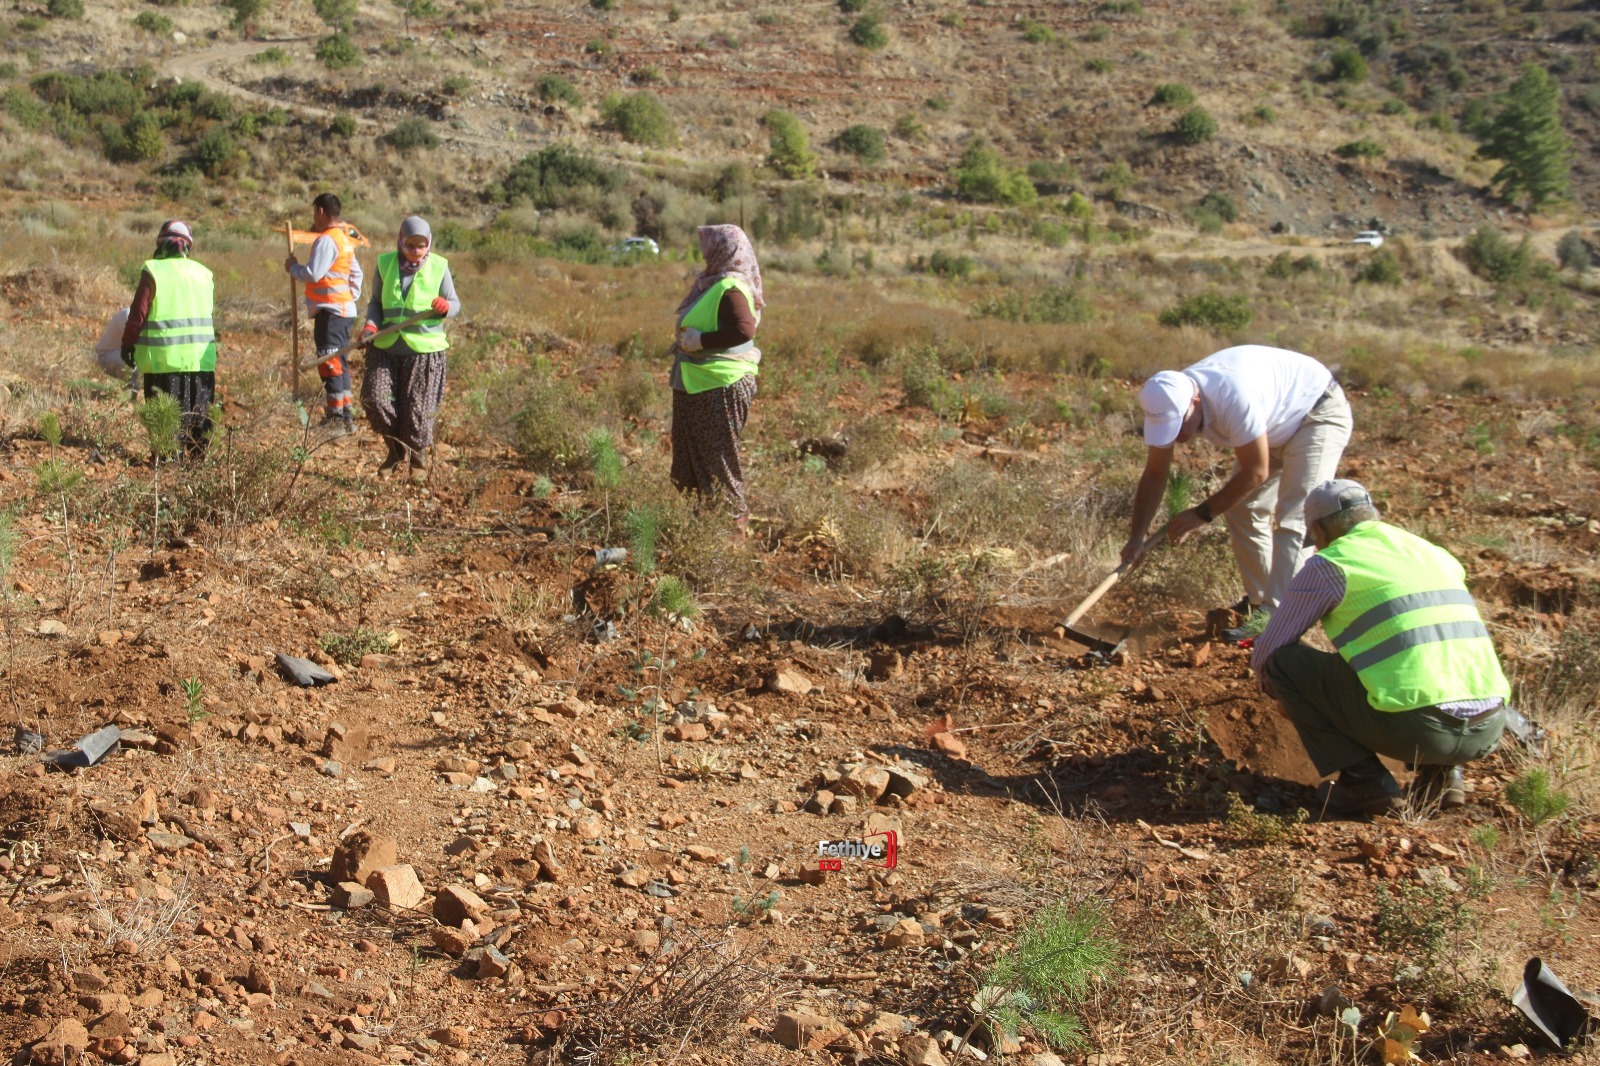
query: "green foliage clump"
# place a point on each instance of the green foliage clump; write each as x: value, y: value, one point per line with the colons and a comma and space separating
x: 1172, y: 94
x: 142, y: 139
x: 640, y: 118
x: 153, y: 22
x: 1490, y: 254
x: 1210, y: 310
x: 1220, y: 204
x: 1572, y: 251
x: 1259, y: 827
x: 869, y: 32
x: 160, y: 418
x: 1528, y: 138
x: 866, y: 143
x: 338, y: 14
x: 1037, y: 32
x: 1194, y: 126
x: 673, y: 599
x: 346, y: 649
x: 1053, y: 304
x: 1078, y: 207
x: 1362, y: 149
x: 410, y: 134
x: 64, y: 9
x: 1284, y: 265
x: 642, y: 526
x: 789, y: 149
x: 944, y: 265
x: 554, y: 89
x: 244, y: 12
x: 215, y: 152
x: 1056, y: 959
x: 271, y: 57
x: 1383, y: 269
x: 342, y: 125
x: 338, y: 52
x: 556, y: 176
x: 1348, y: 65
x: 984, y: 177
x: 1534, y: 796
x: 605, y: 461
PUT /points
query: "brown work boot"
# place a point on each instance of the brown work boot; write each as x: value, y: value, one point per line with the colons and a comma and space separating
x: 418, y: 465
x: 397, y: 452
x: 1362, y: 790
x: 1441, y: 785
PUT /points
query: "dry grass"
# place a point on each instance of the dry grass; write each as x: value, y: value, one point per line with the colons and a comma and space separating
x: 145, y: 923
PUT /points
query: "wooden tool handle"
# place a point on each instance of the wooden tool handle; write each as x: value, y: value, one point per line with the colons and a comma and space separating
x: 294, y: 318
x: 1111, y: 579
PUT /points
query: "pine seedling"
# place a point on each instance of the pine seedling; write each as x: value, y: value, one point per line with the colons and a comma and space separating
x: 1056, y: 957
x: 673, y: 599
x: 1180, y: 492
x: 643, y: 528
x: 605, y: 462
x: 160, y: 417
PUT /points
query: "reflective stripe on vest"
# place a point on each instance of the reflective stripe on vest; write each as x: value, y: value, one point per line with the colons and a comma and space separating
x: 332, y: 291
x: 713, y: 368
x: 421, y: 337
x: 1407, y: 625
x: 179, y: 336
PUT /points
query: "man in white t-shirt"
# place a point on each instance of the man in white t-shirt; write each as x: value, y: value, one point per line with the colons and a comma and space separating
x: 1287, y: 422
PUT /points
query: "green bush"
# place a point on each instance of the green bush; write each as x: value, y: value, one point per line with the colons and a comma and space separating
x: 789, y: 150
x: 554, y: 89
x: 1172, y: 94
x: 852, y: 7
x: 984, y: 177
x: 1220, y: 204
x: 214, y: 152
x: 1347, y: 64
x: 1572, y: 251
x: 1058, y: 958
x: 153, y: 22
x: 640, y: 118
x: 245, y: 12
x: 866, y: 143
x: 338, y: 14
x: 272, y: 57
x: 64, y: 9
x: 1052, y: 304
x: 457, y: 84
x: 556, y: 176
x: 143, y: 141
x: 943, y: 264
x: 1037, y: 32
x: 338, y: 52
x: 410, y: 134
x: 1490, y: 254
x: 25, y: 109
x: 1535, y: 798
x: 1078, y: 207
x: 1121, y: 7
x: 1211, y: 310
x: 342, y: 125
x: 869, y: 32
x: 1194, y: 126
x: 1382, y: 269
x: 1362, y: 149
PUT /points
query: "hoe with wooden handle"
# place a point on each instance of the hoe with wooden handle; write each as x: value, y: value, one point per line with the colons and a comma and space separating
x: 1096, y: 645
x: 384, y: 332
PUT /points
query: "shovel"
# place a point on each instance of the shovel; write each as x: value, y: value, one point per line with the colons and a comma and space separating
x: 1096, y: 645
x: 384, y: 332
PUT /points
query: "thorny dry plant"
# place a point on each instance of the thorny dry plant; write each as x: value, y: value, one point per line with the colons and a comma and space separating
x: 694, y: 991
x: 145, y: 923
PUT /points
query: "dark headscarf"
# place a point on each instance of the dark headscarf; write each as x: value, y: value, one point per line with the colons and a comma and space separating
x: 727, y: 253
x: 175, y: 238
x: 413, y: 226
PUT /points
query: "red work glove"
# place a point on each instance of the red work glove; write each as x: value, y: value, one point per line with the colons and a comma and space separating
x: 441, y: 306
x: 367, y: 333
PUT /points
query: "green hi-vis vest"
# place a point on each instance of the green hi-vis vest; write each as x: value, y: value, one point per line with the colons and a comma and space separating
x: 420, y: 337
x: 1407, y: 624
x: 179, y: 337
x: 713, y: 368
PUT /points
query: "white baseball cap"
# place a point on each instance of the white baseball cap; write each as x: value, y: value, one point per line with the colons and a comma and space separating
x: 1165, y: 399
x: 1331, y: 497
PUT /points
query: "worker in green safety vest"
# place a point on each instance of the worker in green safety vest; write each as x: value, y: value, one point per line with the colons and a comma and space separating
x: 714, y: 367
x: 170, y: 335
x: 1415, y: 676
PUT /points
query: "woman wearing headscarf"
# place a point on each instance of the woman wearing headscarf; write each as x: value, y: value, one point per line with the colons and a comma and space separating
x: 714, y: 368
x: 404, y: 382
x: 170, y: 336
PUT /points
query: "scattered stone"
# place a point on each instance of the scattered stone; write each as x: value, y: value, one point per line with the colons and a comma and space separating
x: 454, y: 1036
x: 452, y: 942
x: 65, y: 1043
x: 903, y: 782
x: 921, y: 1049
x: 949, y: 744
x: 688, y: 732
x: 788, y: 681
x: 456, y: 904
x: 52, y: 627
x: 821, y: 802
x: 545, y: 855
x: 867, y: 781
x: 168, y: 842
x: 806, y: 1032
x: 397, y: 886
x: 493, y: 963
x: 885, y: 665
x: 906, y: 933
x: 359, y: 854
x: 701, y: 853
x: 350, y: 895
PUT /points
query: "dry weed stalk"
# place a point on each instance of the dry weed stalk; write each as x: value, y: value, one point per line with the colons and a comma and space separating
x: 147, y: 923
x: 694, y: 991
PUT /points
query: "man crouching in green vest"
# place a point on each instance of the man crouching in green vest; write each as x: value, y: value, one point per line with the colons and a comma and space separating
x: 1415, y: 676
x: 170, y: 336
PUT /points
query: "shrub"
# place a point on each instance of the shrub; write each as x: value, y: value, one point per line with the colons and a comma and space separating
x: 1099, y: 65
x: 1490, y: 254
x: 869, y: 32
x: 1194, y: 126
x: 1121, y: 7
x: 1533, y: 796
x: 1211, y: 310
x: 342, y: 125
x: 1078, y: 207
x: 214, y: 152
x: 338, y: 52
x: 984, y: 177
x: 943, y: 264
x: 866, y: 143
x: 270, y: 57
x: 789, y: 150
x: 456, y: 84
x: 603, y: 5
x: 26, y: 109
x: 1528, y: 138
x: 1220, y: 204
x: 143, y: 141
x: 153, y: 22
x: 1052, y: 304
x: 1572, y: 251
x: 339, y: 14
x: 64, y: 9
x: 409, y: 134
x: 1037, y: 32
x: 1172, y: 94
x: 245, y: 12
x: 1362, y: 149
x: 556, y: 175
x: 554, y: 89
x: 1383, y: 269
x: 640, y: 118
x: 1347, y: 64
x: 852, y: 7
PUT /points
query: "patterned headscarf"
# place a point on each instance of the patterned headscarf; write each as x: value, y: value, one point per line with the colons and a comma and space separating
x: 175, y: 238
x: 727, y: 253
x: 413, y: 226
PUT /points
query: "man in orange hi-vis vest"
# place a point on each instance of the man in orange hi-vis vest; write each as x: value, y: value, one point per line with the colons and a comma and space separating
x: 333, y: 285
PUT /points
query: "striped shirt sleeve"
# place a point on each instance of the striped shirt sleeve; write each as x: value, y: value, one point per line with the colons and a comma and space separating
x: 1316, y: 589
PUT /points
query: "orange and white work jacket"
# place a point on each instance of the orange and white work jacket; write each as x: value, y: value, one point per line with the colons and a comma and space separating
x: 334, y: 291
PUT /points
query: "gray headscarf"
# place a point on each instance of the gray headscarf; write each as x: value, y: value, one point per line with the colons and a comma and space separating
x: 413, y: 226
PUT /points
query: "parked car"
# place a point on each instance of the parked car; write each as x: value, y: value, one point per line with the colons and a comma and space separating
x: 1369, y: 237
x: 637, y: 246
